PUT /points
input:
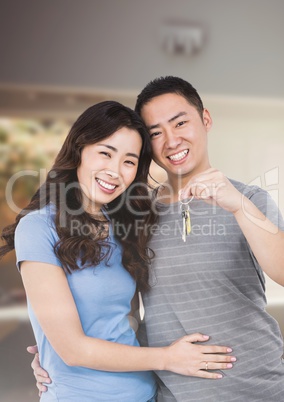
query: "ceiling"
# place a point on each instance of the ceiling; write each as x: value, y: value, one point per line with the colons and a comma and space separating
x: 114, y: 45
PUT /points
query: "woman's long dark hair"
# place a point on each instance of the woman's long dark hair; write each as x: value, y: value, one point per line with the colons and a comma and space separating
x: 132, y: 214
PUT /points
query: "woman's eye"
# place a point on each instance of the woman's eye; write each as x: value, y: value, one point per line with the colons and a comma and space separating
x: 130, y: 163
x: 105, y: 153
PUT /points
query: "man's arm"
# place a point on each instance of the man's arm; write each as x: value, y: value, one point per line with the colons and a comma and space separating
x: 265, y: 238
x: 40, y: 374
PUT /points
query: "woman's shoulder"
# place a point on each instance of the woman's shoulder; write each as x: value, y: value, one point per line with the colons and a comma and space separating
x: 36, y: 237
x: 40, y: 217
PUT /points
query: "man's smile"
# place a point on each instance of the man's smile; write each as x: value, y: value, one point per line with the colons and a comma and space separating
x: 178, y: 156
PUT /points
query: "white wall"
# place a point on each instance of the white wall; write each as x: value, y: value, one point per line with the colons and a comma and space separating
x: 115, y: 44
x: 247, y: 141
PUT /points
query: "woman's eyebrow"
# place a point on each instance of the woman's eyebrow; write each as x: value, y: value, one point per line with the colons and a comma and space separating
x: 116, y: 150
x: 131, y: 154
x: 108, y: 146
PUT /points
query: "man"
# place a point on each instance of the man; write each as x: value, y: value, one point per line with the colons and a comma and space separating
x: 211, y: 246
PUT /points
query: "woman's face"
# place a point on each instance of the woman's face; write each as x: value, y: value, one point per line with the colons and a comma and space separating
x: 108, y: 168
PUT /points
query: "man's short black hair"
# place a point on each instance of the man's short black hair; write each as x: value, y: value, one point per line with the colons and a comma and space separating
x: 169, y: 84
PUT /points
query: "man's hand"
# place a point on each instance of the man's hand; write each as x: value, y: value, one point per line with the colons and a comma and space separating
x: 40, y: 374
x: 213, y: 187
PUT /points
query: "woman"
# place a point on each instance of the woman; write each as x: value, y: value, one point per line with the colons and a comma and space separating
x: 81, y: 255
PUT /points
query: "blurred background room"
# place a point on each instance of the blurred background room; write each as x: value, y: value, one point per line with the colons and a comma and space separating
x: 60, y: 56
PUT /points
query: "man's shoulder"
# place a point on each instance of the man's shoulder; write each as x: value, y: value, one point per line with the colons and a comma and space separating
x: 246, y: 189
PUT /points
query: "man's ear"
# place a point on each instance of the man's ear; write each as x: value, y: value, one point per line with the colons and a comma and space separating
x: 207, y: 120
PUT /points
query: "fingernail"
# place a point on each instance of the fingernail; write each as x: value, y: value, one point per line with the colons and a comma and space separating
x: 233, y: 359
x: 229, y: 350
x: 229, y: 365
x: 205, y: 336
x: 219, y: 376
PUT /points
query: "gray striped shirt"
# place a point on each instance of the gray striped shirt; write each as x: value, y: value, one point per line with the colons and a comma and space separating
x: 214, y: 285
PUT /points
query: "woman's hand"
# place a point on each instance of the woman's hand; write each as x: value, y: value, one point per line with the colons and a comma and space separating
x: 182, y: 357
x: 40, y: 374
x: 198, y: 358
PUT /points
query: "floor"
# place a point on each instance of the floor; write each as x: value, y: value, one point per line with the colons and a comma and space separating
x: 17, y: 383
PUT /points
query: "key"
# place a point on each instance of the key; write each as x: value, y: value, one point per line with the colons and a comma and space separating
x: 183, y: 226
x: 186, y: 223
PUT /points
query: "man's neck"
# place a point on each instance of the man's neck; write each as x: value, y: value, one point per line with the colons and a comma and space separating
x: 167, y: 194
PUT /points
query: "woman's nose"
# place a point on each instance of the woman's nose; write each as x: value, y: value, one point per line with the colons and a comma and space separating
x: 112, y: 174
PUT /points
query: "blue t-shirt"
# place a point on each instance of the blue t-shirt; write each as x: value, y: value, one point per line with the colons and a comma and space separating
x: 103, y: 297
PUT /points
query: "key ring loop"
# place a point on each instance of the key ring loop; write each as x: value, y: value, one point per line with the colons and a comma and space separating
x: 187, y: 202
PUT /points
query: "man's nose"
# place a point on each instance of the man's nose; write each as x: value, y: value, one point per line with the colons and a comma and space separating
x: 172, y: 140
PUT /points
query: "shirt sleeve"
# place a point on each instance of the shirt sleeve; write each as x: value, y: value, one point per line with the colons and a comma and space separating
x: 264, y: 202
x: 34, y: 241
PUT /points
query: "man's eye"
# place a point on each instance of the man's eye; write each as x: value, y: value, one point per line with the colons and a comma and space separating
x: 181, y: 123
x: 152, y: 135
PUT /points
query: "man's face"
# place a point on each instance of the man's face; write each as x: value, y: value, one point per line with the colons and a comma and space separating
x: 178, y: 135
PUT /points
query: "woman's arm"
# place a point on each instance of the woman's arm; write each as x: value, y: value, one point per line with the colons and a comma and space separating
x: 53, y: 304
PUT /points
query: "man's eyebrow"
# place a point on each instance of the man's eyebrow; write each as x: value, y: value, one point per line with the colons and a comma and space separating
x: 169, y: 121
x: 177, y: 116
x: 115, y: 150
